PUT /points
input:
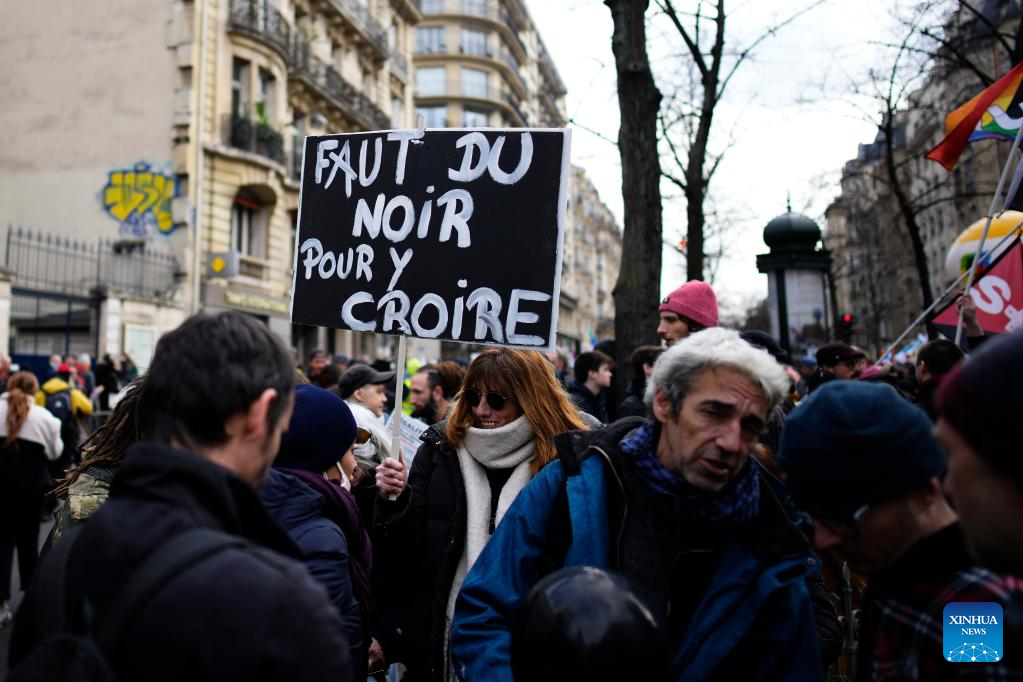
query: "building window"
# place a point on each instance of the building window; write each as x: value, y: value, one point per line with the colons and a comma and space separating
x: 395, y: 112
x: 369, y: 84
x: 474, y: 42
x: 430, y: 81
x: 432, y: 6
x: 474, y: 83
x: 265, y: 101
x: 472, y: 118
x: 240, y: 88
x: 475, y: 7
x: 430, y: 40
x: 249, y: 221
x: 435, y: 117
x: 337, y: 56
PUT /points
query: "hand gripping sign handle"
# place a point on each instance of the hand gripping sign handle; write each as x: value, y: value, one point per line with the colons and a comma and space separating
x: 398, y: 397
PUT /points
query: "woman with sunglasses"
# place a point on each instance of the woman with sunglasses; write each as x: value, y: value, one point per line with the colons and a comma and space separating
x: 466, y: 474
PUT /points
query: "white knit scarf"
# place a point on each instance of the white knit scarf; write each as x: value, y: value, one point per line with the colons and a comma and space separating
x: 508, y: 447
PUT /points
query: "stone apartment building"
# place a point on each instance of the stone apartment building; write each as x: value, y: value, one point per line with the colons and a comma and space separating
x: 873, y: 271
x: 151, y: 156
x: 589, y: 271
x: 152, y: 152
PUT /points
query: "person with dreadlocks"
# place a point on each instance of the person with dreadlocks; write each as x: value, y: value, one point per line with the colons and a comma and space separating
x: 29, y: 437
x: 86, y: 486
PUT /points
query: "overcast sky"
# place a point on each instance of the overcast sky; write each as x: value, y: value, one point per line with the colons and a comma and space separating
x: 782, y: 146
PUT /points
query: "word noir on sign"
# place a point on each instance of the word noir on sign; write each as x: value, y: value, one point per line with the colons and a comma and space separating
x: 440, y: 234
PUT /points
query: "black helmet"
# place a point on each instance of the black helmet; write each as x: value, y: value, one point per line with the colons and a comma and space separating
x: 576, y: 624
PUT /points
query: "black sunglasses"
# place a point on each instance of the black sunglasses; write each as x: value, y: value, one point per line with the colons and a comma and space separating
x: 495, y: 400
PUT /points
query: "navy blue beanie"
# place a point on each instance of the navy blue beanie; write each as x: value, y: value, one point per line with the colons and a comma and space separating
x: 321, y: 430
x: 854, y: 443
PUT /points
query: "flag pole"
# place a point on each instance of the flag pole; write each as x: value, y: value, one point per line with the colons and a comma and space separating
x: 987, y: 225
x: 1012, y: 234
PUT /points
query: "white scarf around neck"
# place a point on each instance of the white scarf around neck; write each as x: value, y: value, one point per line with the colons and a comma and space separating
x: 507, y: 447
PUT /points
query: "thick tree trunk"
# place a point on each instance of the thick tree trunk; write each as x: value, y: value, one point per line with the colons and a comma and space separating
x: 637, y: 292
x: 908, y: 213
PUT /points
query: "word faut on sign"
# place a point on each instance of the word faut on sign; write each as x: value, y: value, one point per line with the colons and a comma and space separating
x: 432, y: 212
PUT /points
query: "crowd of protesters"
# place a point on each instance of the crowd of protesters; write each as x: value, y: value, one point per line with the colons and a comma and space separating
x: 700, y: 528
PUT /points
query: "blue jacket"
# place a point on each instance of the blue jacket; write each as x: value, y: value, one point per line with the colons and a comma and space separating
x: 299, y: 511
x: 765, y: 604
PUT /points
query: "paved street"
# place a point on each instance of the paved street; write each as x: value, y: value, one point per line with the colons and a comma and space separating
x: 16, y: 594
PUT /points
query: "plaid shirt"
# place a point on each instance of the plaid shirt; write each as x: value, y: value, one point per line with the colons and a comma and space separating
x: 901, y: 618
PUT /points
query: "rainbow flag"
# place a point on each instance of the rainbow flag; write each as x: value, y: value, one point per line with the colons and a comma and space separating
x: 994, y: 113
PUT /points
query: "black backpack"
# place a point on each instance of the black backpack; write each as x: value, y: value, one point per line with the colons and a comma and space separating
x: 59, y: 405
x: 64, y: 655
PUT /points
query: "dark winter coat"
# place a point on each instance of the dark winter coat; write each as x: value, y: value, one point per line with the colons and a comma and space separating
x: 587, y: 401
x: 426, y: 527
x: 242, y: 614
x: 925, y: 394
x: 633, y: 405
x: 300, y: 511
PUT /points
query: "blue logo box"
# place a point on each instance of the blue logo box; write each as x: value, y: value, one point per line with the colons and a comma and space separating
x: 972, y: 632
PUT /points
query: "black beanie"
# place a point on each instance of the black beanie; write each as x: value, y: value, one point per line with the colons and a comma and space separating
x: 980, y: 400
x: 320, y: 432
x: 852, y: 443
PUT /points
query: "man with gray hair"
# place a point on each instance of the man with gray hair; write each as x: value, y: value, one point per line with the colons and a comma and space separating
x: 678, y: 507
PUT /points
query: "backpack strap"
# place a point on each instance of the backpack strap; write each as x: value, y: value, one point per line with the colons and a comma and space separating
x: 170, y: 559
x: 566, y: 453
x: 52, y: 611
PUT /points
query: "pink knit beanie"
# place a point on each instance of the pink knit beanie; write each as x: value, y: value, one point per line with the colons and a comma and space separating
x: 694, y: 300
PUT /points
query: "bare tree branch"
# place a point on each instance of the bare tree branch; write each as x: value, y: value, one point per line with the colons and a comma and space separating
x: 770, y: 32
x: 668, y: 7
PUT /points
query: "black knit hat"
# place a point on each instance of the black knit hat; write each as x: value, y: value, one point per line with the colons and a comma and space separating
x: 321, y: 430
x: 980, y: 400
x: 852, y: 443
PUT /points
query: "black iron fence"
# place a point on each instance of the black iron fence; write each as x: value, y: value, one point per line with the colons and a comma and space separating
x: 61, y: 265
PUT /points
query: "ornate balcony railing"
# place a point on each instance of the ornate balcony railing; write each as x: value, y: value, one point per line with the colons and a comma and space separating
x: 399, y: 66
x: 323, y: 77
x: 509, y: 61
x: 359, y: 14
x: 261, y: 21
x: 512, y: 101
x: 253, y: 136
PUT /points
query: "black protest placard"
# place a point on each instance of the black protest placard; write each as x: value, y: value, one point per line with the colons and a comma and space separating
x: 442, y: 234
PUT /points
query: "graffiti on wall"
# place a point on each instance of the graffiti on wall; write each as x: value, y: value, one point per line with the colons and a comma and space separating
x: 139, y: 198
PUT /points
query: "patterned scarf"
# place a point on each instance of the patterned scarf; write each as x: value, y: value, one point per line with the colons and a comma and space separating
x: 733, y: 505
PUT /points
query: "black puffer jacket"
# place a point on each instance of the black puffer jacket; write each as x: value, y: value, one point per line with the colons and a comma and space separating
x: 423, y: 531
x: 243, y: 614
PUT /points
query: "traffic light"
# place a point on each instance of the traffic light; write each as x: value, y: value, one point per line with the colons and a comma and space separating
x: 845, y: 327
